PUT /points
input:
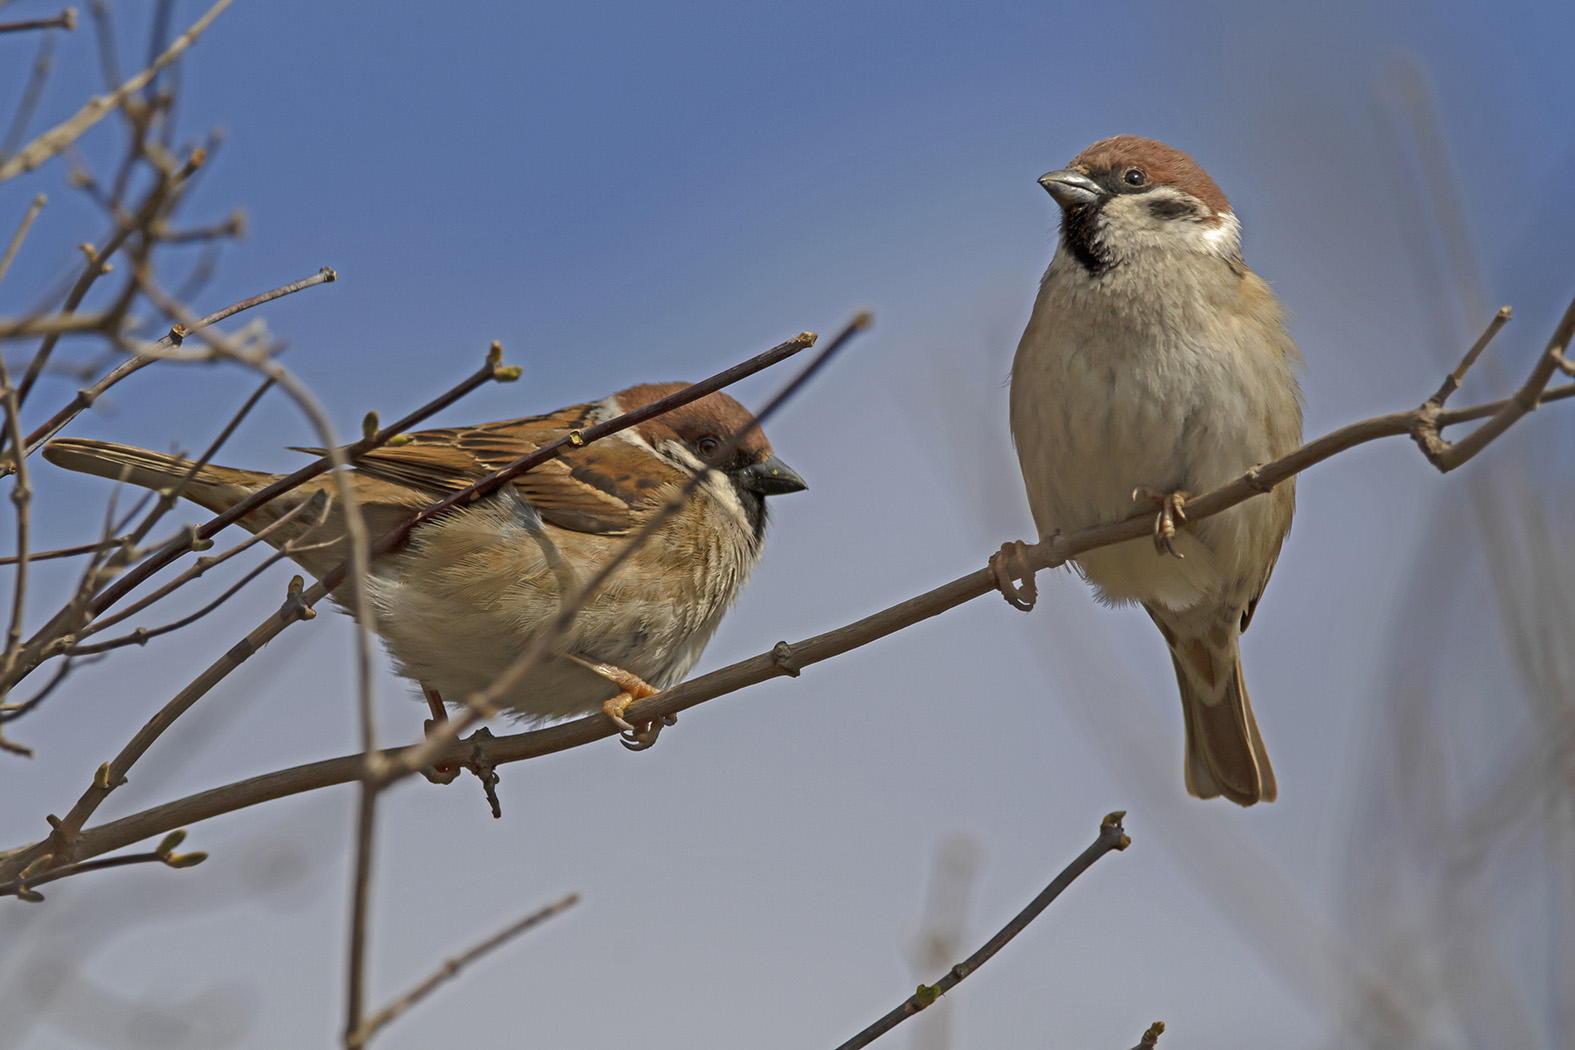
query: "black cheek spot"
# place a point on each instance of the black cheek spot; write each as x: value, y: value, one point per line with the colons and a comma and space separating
x: 645, y: 483
x: 1164, y: 208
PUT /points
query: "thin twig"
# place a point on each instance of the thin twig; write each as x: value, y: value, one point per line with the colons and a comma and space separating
x: 1111, y: 837
x: 142, y: 635
x: 1446, y: 456
x: 1454, y: 379
x: 22, y: 498
x: 451, y: 968
x: 108, y: 59
x: 21, y: 233
x: 25, y: 885
x: 318, y: 505
x: 51, y: 142
x: 62, y: 552
x: 66, y: 20
x: 32, y: 95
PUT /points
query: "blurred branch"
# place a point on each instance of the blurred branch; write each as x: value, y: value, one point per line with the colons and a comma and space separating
x: 450, y: 969
x: 32, y: 94
x: 66, y: 20
x: 53, y: 141
x: 1111, y: 837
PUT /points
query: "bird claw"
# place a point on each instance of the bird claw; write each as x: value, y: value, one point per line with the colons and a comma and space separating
x: 1172, y: 511
x: 1009, y: 563
x: 633, y: 688
x: 445, y: 773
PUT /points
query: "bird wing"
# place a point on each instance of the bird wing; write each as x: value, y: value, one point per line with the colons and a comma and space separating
x: 605, y: 487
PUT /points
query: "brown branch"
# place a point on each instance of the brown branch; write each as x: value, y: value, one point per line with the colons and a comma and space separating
x: 85, y: 398
x: 451, y: 968
x: 53, y: 141
x: 315, y: 506
x: 142, y: 635
x: 22, y: 497
x: 63, y: 839
x: 63, y: 552
x: 80, y: 610
x: 1111, y: 837
x: 783, y: 659
x: 66, y: 20
x: 43, y: 871
x: 1446, y: 456
x: 21, y: 233
x: 32, y: 95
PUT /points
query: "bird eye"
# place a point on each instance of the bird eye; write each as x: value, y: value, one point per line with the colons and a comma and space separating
x: 1134, y: 177
x: 708, y: 445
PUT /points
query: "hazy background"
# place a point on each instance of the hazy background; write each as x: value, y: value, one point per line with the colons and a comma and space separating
x: 622, y: 193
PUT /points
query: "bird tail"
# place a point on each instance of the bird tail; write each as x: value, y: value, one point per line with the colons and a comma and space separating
x: 1225, y: 752
x: 212, y: 487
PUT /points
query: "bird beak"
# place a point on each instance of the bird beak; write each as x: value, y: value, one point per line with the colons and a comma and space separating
x: 1070, y: 188
x: 771, y: 477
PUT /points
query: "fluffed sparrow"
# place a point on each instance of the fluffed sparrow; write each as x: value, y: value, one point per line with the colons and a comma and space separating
x: 465, y: 595
x: 1155, y: 364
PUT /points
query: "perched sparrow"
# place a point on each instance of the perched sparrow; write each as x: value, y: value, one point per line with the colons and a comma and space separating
x: 1156, y: 364
x: 464, y: 596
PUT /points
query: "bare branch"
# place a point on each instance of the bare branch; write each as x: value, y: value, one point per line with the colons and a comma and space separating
x: 1446, y: 456
x: 85, y: 398
x: 21, y: 233
x: 66, y: 20
x: 62, y: 552
x: 451, y: 968
x: 59, y: 137
x: 44, y: 871
x: 32, y: 95
x: 783, y: 659
x: 21, y: 496
x: 1111, y: 837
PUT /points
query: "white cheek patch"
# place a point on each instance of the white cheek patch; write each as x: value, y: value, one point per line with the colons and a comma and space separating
x: 1129, y: 226
x: 718, y: 485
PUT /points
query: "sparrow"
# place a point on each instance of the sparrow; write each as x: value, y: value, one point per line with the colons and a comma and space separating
x: 469, y: 591
x: 1156, y: 364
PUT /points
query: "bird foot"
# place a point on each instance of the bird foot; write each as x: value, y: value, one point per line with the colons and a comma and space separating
x: 1172, y: 512
x: 445, y: 773
x: 635, y: 737
x: 1008, y: 564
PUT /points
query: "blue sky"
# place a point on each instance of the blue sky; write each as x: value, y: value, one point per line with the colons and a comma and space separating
x: 624, y: 193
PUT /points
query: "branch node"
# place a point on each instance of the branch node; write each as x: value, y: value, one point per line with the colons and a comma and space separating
x: 783, y: 656
x: 295, y: 607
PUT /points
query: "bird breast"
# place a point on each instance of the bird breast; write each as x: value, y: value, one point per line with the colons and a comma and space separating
x: 1156, y: 375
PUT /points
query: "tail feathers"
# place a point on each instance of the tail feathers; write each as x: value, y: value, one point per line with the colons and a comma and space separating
x: 1225, y: 752
x: 211, y: 487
